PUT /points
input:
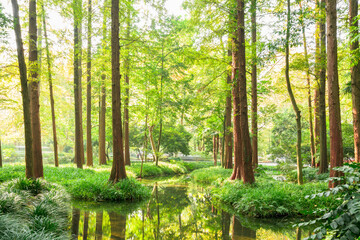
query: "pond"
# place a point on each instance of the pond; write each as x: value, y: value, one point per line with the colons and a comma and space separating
x: 177, y: 209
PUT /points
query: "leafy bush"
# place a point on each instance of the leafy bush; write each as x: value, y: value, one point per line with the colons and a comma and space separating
x: 342, y: 221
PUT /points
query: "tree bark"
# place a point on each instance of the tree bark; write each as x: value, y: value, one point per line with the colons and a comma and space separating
x: 127, y: 95
x: 86, y: 225
x: 292, y: 98
x: 323, y: 163
x: 311, y: 129
x: 118, y: 168
x: 75, y: 223
x: 247, y: 173
x: 52, y: 102
x: 29, y: 171
x: 89, y: 149
x: 102, y: 148
x: 228, y: 130
x: 336, y: 147
x: 254, y: 117
x: 215, y: 144
x: 1, y: 160
x: 79, y: 146
x: 34, y: 92
x: 355, y: 74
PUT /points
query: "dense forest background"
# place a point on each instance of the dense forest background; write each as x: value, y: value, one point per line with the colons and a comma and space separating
x: 176, y: 63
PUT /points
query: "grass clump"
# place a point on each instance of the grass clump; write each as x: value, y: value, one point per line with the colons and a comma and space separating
x: 209, y: 175
x: 33, y: 209
x: 269, y: 199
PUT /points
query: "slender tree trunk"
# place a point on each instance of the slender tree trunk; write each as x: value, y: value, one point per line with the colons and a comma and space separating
x: 1, y: 160
x: 127, y: 95
x: 89, y: 150
x: 312, y: 144
x: 323, y: 163
x: 247, y: 172
x: 118, y: 168
x: 102, y: 148
x: 98, y: 227
x: 228, y: 129
x: 79, y: 146
x: 29, y: 171
x: 102, y: 114
x: 153, y: 146
x: 34, y: 92
x: 355, y: 74
x: 292, y: 98
x: 254, y: 117
x: 215, y: 144
x: 52, y: 102
x: 336, y: 147
x: 316, y: 122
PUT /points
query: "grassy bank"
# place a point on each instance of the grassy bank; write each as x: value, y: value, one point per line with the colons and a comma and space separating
x: 267, y: 198
x: 92, y: 183
x: 33, y: 210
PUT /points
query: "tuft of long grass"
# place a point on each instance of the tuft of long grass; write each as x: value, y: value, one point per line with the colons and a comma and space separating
x: 209, y: 175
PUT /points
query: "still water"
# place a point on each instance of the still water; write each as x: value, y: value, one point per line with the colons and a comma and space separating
x: 176, y: 210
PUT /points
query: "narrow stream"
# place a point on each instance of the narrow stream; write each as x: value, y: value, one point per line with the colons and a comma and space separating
x: 176, y: 210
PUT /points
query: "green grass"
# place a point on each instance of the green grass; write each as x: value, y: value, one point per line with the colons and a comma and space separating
x: 265, y: 199
x: 33, y: 209
x: 92, y: 183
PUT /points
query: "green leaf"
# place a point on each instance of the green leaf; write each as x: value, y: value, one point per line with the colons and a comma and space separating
x: 334, y: 225
x: 353, y: 228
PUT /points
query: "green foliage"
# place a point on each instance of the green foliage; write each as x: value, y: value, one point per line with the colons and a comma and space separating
x: 33, y: 209
x: 309, y: 174
x: 209, y: 175
x: 343, y: 220
x: 176, y: 139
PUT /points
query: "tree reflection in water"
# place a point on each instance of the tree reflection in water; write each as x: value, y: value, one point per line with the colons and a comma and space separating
x: 172, y: 212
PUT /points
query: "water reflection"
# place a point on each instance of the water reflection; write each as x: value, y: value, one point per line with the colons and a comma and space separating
x: 173, y: 212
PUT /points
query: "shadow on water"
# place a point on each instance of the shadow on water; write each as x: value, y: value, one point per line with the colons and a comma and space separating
x: 174, y: 211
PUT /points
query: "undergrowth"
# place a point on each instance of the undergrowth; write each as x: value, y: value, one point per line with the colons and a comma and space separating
x: 33, y: 209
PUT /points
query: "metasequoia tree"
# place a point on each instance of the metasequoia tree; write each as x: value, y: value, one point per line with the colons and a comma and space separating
x: 89, y: 151
x: 29, y: 171
x: 52, y: 102
x: 242, y: 145
x: 336, y: 146
x: 0, y: 155
x: 292, y: 98
x: 254, y: 117
x: 118, y: 167
x: 307, y: 65
x: 79, y: 146
x: 102, y: 114
x: 34, y: 92
x: 215, y: 148
x: 323, y: 162
x: 127, y: 94
x: 355, y: 74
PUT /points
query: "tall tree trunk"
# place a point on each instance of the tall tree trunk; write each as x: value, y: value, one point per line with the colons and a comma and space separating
x: 34, y: 91
x: 228, y: 129
x: 118, y: 168
x: 247, y: 172
x: 314, y: 163
x: 102, y: 114
x: 29, y: 171
x: 312, y: 144
x: 336, y: 146
x: 52, y: 103
x: 1, y: 160
x: 254, y: 117
x: 215, y: 144
x: 292, y: 98
x: 79, y: 146
x: 355, y: 74
x: 153, y: 146
x: 98, y: 227
x: 127, y: 95
x: 323, y: 163
x: 89, y: 150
